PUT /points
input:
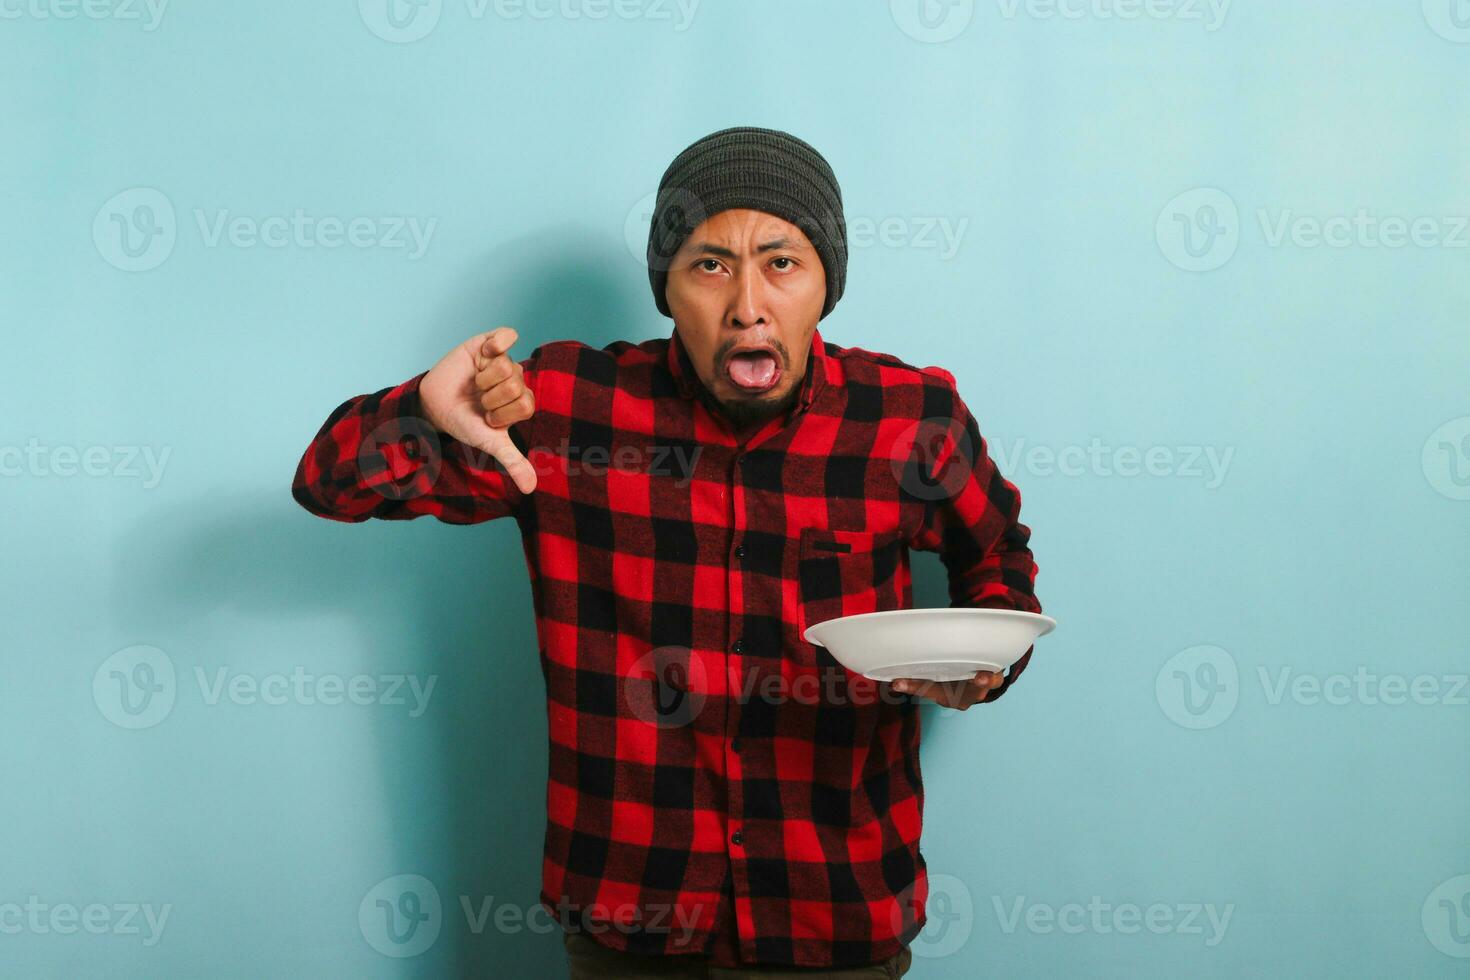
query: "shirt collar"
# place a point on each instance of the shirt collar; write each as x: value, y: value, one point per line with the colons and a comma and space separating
x: 687, y: 380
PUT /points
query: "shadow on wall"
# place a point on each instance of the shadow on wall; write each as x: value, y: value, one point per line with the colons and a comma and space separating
x: 931, y: 591
x: 424, y: 597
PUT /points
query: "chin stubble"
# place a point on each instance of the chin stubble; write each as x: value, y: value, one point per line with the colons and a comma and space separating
x: 751, y: 411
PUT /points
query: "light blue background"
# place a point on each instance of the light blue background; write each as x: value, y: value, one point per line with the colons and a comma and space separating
x: 1336, y: 539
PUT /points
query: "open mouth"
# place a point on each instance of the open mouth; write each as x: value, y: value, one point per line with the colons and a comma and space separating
x: 753, y: 371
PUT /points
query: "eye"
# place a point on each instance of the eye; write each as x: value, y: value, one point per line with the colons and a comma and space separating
x: 708, y: 265
x: 790, y: 263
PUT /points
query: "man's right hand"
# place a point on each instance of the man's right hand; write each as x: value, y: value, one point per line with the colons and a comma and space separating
x: 475, y: 393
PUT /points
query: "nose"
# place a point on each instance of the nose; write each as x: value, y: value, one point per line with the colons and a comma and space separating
x: 748, y: 304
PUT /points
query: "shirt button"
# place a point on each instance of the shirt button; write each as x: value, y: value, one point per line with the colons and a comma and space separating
x: 740, y: 551
x: 739, y: 646
x: 735, y: 744
x: 738, y: 837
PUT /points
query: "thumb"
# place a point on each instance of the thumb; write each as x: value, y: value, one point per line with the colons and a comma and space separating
x: 497, y: 443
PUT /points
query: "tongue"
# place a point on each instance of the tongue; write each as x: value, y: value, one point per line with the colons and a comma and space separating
x: 753, y: 370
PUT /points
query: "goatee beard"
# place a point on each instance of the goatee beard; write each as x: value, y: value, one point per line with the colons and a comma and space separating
x: 747, y: 413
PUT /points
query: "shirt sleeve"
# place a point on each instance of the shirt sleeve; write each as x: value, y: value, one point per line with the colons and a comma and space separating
x: 378, y: 456
x: 971, y: 513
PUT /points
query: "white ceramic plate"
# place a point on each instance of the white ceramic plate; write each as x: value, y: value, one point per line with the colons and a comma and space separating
x: 929, y: 644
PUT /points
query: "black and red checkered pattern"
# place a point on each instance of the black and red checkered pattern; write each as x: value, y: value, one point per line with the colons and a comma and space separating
x: 693, y: 733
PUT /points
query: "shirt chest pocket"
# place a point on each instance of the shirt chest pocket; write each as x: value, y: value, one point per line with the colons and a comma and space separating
x: 844, y: 573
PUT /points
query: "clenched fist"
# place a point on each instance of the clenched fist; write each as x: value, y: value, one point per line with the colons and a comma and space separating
x: 475, y: 393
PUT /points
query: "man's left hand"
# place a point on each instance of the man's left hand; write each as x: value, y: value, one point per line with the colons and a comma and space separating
x: 958, y: 694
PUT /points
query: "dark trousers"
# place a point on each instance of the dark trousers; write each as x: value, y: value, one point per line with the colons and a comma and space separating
x: 588, y: 958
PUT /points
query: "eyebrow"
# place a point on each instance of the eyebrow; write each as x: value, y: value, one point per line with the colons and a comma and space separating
x: 725, y: 253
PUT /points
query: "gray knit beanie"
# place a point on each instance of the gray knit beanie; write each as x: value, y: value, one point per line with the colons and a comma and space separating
x: 749, y: 167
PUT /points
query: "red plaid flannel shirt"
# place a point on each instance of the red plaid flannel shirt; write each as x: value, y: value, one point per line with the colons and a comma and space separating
x: 700, y: 749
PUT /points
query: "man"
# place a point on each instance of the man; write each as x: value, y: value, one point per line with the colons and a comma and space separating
x: 688, y: 506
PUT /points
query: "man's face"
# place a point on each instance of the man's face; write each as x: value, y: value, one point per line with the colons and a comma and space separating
x: 746, y: 290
